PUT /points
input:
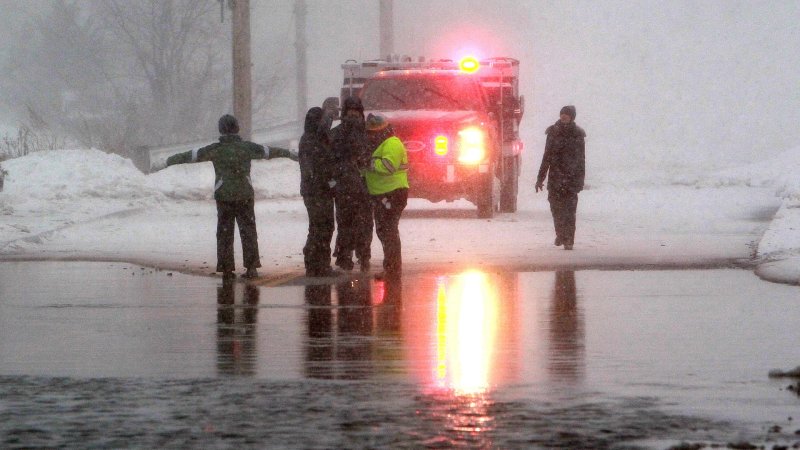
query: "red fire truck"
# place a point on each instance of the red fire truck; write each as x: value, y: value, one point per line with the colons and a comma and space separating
x: 459, y: 122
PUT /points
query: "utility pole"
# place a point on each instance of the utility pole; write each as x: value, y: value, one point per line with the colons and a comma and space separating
x: 242, y: 76
x: 386, y: 27
x: 300, y: 45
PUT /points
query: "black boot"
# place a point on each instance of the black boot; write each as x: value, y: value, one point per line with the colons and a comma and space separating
x: 345, y: 263
x: 250, y: 273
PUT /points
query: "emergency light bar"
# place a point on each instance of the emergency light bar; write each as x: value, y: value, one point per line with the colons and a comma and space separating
x: 356, y: 73
x: 469, y: 64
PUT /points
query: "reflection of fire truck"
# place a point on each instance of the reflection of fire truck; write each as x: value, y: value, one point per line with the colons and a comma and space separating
x: 459, y: 122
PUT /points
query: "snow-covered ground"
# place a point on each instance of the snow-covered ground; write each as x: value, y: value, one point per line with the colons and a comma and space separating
x: 89, y: 205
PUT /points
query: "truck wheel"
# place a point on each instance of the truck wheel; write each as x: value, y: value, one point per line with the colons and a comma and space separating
x: 488, y: 197
x: 510, y: 184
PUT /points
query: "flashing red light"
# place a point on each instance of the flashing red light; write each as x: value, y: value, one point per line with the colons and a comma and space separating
x: 469, y: 64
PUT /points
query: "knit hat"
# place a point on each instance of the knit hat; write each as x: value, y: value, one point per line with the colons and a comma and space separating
x: 353, y: 103
x: 376, y: 122
x: 568, y: 110
x: 313, y: 117
x: 228, y: 125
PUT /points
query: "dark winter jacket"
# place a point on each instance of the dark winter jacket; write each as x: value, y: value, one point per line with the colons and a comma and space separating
x: 563, y: 162
x: 316, y: 157
x: 351, y: 149
x: 231, y: 157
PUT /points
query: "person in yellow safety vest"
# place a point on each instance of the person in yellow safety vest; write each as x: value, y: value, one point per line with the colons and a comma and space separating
x: 387, y: 183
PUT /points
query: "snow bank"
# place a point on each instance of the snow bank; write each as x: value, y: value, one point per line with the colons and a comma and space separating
x: 779, y: 172
x: 81, y: 175
x: 74, y: 175
x: 48, y: 190
x: 272, y: 179
x: 778, y: 251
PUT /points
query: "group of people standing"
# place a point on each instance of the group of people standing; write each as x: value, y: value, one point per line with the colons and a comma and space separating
x: 352, y: 176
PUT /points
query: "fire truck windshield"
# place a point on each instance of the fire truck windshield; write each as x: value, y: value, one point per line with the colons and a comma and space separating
x: 448, y: 93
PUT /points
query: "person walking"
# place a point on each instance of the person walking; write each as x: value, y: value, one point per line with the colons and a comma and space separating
x: 316, y: 165
x: 387, y: 182
x: 563, y: 163
x: 233, y: 192
x: 353, y: 213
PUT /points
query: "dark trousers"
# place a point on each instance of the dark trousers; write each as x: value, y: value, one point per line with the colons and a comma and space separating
x: 388, y: 208
x: 243, y: 213
x: 317, y: 251
x: 564, y: 206
x: 354, y: 226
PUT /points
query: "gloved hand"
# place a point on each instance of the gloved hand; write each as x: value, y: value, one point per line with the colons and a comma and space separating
x: 539, y: 187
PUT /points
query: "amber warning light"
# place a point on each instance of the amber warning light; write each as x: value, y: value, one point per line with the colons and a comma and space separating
x: 440, y: 145
x: 469, y: 64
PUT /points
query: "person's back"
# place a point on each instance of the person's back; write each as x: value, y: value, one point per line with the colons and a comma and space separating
x: 316, y: 157
x: 233, y: 191
x: 344, y: 168
x: 231, y: 157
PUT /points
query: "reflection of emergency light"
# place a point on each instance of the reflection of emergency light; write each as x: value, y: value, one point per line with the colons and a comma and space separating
x: 378, y: 292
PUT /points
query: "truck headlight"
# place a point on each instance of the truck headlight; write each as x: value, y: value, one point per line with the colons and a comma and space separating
x: 471, y: 145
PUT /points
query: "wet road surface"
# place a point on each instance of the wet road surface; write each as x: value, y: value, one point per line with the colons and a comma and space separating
x: 114, y: 355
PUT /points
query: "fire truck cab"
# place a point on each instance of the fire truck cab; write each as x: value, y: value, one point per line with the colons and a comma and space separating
x: 459, y: 123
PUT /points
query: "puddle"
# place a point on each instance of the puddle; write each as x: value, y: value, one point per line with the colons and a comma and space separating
x: 587, y: 359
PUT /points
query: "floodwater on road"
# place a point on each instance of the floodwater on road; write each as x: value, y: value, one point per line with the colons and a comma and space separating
x: 116, y: 355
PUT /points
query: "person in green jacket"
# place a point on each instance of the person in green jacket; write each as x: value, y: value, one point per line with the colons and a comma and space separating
x: 387, y: 183
x: 233, y: 192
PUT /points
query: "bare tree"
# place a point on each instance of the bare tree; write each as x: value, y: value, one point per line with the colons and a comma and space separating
x: 27, y: 141
x: 120, y: 74
x: 179, y: 56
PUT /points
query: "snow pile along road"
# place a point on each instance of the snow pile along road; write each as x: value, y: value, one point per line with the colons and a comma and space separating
x: 272, y: 179
x: 779, y: 249
x: 73, y: 176
x: 48, y: 190
x: 778, y: 254
x: 779, y: 172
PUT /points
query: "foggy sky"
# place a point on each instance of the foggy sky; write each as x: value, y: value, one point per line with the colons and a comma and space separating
x: 683, y: 82
x: 706, y: 82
